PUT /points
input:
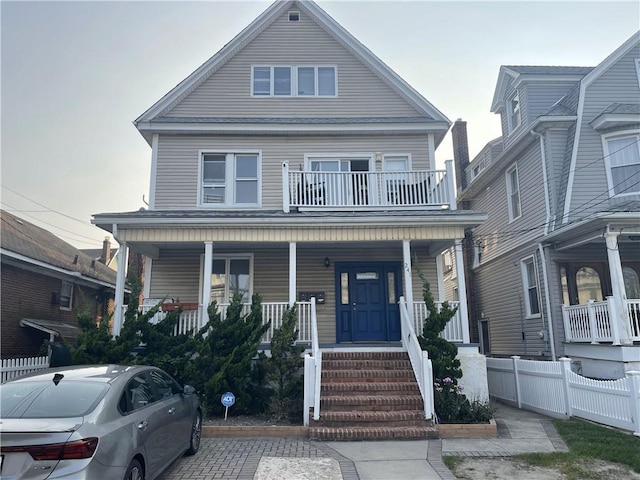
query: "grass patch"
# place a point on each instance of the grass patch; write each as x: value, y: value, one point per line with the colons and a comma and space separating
x: 452, y: 461
x: 587, y: 442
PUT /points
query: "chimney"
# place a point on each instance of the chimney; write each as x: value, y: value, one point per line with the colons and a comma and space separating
x: 460, y: 152
x: 106, y: 251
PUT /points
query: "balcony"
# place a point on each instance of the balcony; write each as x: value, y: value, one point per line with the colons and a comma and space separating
x: 594, y: 322
x: 363, y: 191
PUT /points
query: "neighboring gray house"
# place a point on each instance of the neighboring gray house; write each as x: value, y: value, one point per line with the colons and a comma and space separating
x: 555, y: 269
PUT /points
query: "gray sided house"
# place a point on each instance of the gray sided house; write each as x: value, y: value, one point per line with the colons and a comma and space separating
x: 45, y: 284
x: 555, y: 269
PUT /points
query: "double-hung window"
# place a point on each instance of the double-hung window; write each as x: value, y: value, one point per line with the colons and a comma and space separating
x: 66, y: 296
x: 513, y: 193
x: 231, y: 274
x: 513, y: 112
x: 530, y: 282
x: 294, y: 81
x: 230, y: 179
x: 622, y: 154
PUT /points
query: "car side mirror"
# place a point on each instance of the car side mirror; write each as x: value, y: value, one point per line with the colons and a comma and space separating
x: 188, y: 390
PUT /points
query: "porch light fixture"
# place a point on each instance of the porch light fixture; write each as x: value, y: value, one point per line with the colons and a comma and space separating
x: 327, y: 262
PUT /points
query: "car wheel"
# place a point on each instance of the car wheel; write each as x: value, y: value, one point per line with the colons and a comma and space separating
x: 135, y: 471
x: 196, y: 433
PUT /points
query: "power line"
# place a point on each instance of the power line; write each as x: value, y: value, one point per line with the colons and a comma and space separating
x: 84, y: 222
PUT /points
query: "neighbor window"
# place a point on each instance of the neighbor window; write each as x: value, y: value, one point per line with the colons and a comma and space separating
x: 631, y: 282
x: 230, y: 179
x: 294, y: 81
x: 513, y: 193
x: 622, y: 156
x: 513, y: 112
x: 230, y: 275
x: 66, y: 296
x: 530, y: 281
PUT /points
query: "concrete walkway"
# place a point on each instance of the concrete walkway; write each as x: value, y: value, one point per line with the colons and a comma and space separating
x: 519, y: 431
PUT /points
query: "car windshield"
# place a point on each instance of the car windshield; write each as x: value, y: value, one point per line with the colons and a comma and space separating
x: 47, y: 400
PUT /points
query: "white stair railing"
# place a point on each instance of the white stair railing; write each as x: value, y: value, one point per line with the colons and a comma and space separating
x: 312, y: 371
x: 422, y: 367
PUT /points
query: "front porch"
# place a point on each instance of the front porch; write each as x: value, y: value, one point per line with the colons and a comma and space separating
x: 597, y: 322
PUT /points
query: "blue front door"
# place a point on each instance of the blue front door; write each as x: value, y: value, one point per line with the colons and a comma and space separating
x: 366, y: 302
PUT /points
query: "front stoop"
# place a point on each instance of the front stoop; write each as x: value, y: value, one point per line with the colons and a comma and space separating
x: 369, y: 396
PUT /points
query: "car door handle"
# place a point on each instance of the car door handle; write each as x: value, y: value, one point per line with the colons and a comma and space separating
x: 142, y: 425
x: 172, y: 410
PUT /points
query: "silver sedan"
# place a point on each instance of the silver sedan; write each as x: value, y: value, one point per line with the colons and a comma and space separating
x: 96, y: 422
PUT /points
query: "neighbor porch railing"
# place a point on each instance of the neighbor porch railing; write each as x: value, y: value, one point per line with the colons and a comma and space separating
x: 452, y: 332
x: 593, y: 322
x: 312, y: 371
x: 420, y: 362
x: 194, y: 320
x: 368, y: 190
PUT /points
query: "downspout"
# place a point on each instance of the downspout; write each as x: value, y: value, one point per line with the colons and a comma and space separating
x: 545, y: 280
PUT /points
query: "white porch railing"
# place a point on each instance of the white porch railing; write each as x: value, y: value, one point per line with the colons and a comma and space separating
x: 551, y: 388
x: 367, y: 190
x: 452, y: 332
x: 14, y: 367
x: 312, y: 371
x: 193, y: 320
x: 420, y: 362
x: 592, y: 322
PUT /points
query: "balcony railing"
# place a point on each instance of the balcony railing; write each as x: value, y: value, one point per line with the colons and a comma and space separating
x: 368, y: 190
x: 594, y: 322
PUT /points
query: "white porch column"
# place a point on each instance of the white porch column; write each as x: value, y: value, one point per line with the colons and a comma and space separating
x: 408, y: 281
x: 206, y: 282
x: 451, y: 184
x: 121, y: 277
x: 285, y: 187
x: 462, y: 292
x: 292, y: 272
x: 617, y: 287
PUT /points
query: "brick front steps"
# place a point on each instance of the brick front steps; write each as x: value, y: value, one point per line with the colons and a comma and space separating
x: 369, y: 396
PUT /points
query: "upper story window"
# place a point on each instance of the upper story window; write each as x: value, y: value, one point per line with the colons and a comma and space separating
x: 230, y: 179
x: 66, y: 296
x: 530, y: 281
x: 294, y: 81
x: 513, y: 193
x: 513, y: 112
x: 622, y: 158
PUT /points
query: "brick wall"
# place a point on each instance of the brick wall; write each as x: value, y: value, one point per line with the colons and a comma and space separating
x: 27, y: 294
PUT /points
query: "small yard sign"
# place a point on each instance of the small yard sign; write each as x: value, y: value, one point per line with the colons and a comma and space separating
x: 228, y: 399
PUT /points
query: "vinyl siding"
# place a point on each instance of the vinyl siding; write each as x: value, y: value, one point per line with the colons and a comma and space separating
x: 497, y: 234
x: 506, y: 314
x: 227, y: 93
x: 555, y: 144
x: 617, y: 84
x: 178, y: 157
x: 541, y: 97
x: 176, y: 274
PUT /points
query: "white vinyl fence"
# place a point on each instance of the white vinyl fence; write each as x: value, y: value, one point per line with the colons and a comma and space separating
x: 14, y: 367
x: 551, y: 388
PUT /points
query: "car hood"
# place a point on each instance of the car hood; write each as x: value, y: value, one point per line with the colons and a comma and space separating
x: 39, y: 425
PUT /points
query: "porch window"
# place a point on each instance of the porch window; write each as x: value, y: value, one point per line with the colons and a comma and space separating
x: 631, y: 282
x: 230, y: 275
x: 230, y: 179
x: 66, y: 296
x: 589, y: 285
x: 513, y: 193
x: 622, y: 157
x: 294, y: 81
x: 530, y: 281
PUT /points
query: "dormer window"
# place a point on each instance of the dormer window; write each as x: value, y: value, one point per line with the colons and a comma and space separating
x: 294, y: 81
x: 513, y: 112
x: 294, y: 16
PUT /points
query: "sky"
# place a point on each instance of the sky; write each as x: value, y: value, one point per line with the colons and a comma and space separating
x: 74, y: 75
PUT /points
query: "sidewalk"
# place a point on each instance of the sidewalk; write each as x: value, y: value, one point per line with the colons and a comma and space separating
x: 519, y: 431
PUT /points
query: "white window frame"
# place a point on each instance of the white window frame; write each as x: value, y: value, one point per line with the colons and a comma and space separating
x: 230, y: 179
x: 227, y: 257
x: 477, y: 254
x: 510, y: 194
x: 514, y: 112
x: 607, y: 159
x: 294, y: 81
x: 69, y: 306
x: 293, y: 14
x: 527, y: 286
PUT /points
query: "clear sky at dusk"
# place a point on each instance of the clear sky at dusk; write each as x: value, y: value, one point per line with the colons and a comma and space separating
x: 76, y: 74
